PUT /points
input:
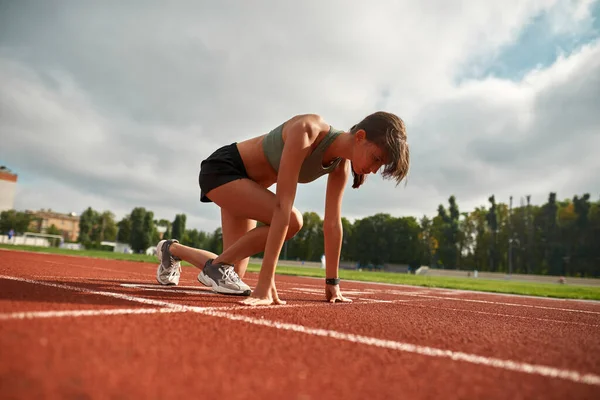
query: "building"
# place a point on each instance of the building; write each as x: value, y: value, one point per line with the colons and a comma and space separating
x: 67, y: 224
x: 8, y: 185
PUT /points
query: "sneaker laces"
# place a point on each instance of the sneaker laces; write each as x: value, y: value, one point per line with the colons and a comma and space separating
x: 173, y: 268
x: 230, y: 274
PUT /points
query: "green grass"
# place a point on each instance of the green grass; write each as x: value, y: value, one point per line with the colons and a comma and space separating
x: 484, y: 285
x: 84, y: 253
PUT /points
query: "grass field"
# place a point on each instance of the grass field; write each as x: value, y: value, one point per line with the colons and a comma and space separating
x: 484, y: 285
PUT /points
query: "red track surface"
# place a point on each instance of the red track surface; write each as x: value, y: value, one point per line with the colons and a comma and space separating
x: 392, y: 342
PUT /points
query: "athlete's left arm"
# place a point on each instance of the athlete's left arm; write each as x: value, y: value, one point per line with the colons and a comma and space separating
x: 332, y: 227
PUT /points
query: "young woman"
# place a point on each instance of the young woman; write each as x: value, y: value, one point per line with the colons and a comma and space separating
x: 236, y: 178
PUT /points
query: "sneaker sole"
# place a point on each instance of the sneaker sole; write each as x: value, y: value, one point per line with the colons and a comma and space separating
x: 207, y: 281
x: 159, y: 255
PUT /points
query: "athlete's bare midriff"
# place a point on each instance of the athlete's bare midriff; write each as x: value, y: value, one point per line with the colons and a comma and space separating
x: 256, y: 163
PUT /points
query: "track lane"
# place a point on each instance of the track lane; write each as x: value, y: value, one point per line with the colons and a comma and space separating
x: 122, y: 350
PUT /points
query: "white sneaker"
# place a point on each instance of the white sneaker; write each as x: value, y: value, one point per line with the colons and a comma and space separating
x: 223, y: 279
x: 169, y: 269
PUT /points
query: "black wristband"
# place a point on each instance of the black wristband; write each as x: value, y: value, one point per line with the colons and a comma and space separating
x: 332, y: 281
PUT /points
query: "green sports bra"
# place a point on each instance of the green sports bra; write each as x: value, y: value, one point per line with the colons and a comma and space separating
x: 312, y: 168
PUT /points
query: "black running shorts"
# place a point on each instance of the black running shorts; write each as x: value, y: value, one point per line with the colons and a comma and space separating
x: 222, y: 166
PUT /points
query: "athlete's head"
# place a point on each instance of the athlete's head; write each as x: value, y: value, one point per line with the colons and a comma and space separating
x: 380, y: 141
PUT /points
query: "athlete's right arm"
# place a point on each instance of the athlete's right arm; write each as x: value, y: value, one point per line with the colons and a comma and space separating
x: 300, y: 134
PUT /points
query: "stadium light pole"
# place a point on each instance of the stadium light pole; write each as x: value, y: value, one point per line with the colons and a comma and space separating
x: 529, y: 234
x: 510, y: 237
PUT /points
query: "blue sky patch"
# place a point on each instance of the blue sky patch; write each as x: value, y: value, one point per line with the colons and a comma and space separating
x: 536, y: 47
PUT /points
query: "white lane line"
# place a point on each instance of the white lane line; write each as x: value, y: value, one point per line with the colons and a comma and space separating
x: 383, y: 301
x: 405, y: 293
x: 84, y: 313
x: 89, y: 291
x: 116, y: 271
x: 81, y: 279
x: 129, y: 311
x: 170, y: 307
x: 320, y: 291
x: 502, y: 303
x: 154, y: 286
x: 167, y: 304
x: 509, y: 365
x: 194, y: 292
x: 426, y: 294
x: 449, y: 292
x: 412, y: 304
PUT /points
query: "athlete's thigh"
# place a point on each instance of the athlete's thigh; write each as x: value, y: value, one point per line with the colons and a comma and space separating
x: 244, y: 198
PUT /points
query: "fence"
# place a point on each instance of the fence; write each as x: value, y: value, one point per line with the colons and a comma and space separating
x: 25, y: 241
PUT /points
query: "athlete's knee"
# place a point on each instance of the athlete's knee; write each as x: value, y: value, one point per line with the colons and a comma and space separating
x: 296, y: 222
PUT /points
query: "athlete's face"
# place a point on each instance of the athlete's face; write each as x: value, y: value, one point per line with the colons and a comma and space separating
x: 368, y: 157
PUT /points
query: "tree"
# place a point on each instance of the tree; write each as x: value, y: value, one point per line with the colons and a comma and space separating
x: 518, y: 223
x: 15, y: 220
x: 370, y: 239
x: 53, y: 230
x: 216, y: 241
x: 191, y: 238
x: 437, y: 230
x: 124, y: 232
x: 311, y: 237
x: 592, y: 268
x: 150, y: 232
x: 502, y: 237
x: 583, y: 240
x: 95, y: 227
x: 550, y: 237
x: 492, y: 220
x: 404, y: 243
x: 140, y: 229
x: 467, y: 239
x: 347, y: 231
x: 483, y: 239
x: 178, y: 226
x: 447, y: 233
x: 568, y: 234
x: 107, y: 228
x: 87, y: 222
x: 559, y: 237
x: 427, y: 241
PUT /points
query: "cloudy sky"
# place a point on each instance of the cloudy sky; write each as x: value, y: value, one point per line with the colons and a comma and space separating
x: 114, y: 105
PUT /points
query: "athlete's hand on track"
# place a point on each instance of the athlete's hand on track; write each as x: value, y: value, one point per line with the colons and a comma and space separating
x: 334, y: 295
x: 263, y: 296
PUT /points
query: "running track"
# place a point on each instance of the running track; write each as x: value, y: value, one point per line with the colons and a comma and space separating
x: 82, y: 328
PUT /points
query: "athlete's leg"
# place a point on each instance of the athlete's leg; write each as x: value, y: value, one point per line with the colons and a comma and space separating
x: 243, y: 199
x: 233, y: 229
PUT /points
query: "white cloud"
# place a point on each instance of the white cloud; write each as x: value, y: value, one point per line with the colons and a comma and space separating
x: 528, y: 137
x: 114, y: 106
x: 571, y: 17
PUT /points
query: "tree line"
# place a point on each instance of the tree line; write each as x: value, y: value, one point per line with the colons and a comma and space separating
x: 555, y: 238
